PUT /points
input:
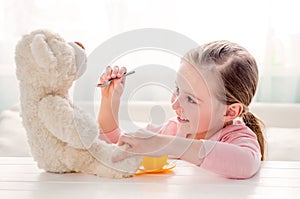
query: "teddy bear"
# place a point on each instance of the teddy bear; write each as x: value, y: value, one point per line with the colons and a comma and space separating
x: 62, y: 137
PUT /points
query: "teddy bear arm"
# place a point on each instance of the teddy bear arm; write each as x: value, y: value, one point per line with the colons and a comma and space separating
x: 66, y: 123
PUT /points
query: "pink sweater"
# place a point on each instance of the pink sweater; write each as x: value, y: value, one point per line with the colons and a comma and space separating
x: 234, y: 152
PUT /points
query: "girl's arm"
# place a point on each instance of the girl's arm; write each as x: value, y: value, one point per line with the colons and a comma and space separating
x: 148, y: 143
x: 108, y: 115
x: 232, y: 160
x: 110, y: 100
x: 237, y: 158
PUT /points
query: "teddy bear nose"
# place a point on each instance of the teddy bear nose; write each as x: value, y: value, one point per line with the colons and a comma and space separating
x: 79, y: 44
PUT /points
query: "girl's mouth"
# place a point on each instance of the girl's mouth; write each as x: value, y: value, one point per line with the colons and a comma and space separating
x: 182, y: 120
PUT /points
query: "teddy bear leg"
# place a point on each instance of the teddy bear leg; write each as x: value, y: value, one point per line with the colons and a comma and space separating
x: 84, y: 161
x: 103, y: 152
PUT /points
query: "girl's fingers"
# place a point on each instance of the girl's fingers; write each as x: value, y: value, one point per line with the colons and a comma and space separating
x: 115, y: 72
x: 125, y: 139
x: 108, y: 72
x: 112, y: 73
x: 102, y: 78
x: 124, y: 149
x: 122, y: 71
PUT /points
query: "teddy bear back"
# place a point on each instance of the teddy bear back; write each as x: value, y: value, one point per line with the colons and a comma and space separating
x: 45, y: 62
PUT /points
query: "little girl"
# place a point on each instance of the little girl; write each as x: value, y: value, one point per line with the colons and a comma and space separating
x: 214, y: 128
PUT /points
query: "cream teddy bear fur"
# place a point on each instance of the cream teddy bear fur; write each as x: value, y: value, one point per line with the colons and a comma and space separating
x: 62, y: 137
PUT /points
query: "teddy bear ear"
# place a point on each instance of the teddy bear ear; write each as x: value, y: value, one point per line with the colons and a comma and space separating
x: 42, y: 53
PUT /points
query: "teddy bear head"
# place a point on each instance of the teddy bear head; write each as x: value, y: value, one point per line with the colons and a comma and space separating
x: 47, y: 63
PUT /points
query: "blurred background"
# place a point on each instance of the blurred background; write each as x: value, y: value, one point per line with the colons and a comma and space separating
x: 267, y: 28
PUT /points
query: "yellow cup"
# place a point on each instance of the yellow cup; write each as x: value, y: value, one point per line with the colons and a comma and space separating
x: 154, y: 163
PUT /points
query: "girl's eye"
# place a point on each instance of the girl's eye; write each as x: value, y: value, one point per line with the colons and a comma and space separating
x: 191, y: 100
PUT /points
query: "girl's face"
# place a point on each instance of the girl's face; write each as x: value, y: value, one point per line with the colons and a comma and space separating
x: 199, y: 113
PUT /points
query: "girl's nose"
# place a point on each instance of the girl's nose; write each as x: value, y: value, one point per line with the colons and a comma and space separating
x: 175, y: 102
x: 176, y: 105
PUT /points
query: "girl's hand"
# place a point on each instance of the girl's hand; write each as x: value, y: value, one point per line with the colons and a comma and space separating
x: 146, y: 143
x: 143, y: 143
x: 108, y: 116
x: 116, y: 87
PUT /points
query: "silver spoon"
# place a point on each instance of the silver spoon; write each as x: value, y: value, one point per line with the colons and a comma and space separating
x: 109, y: 81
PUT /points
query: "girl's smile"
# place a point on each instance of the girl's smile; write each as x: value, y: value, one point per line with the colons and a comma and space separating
x: 182, y: 120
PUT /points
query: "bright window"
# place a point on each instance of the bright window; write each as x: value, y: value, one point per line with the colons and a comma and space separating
x: 268, y: 29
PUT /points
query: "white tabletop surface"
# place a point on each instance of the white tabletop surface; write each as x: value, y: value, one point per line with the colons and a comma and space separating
x: 20, y: 178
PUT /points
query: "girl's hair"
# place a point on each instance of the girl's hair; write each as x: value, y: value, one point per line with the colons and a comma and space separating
x: 239, y: 74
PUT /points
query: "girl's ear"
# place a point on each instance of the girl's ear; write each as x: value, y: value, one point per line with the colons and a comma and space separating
x: 233, y: 111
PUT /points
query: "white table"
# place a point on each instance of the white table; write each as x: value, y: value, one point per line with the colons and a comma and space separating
x: 20, y: 178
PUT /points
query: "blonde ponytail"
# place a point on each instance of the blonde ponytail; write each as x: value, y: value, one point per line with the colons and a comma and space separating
x: 256, y: 126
